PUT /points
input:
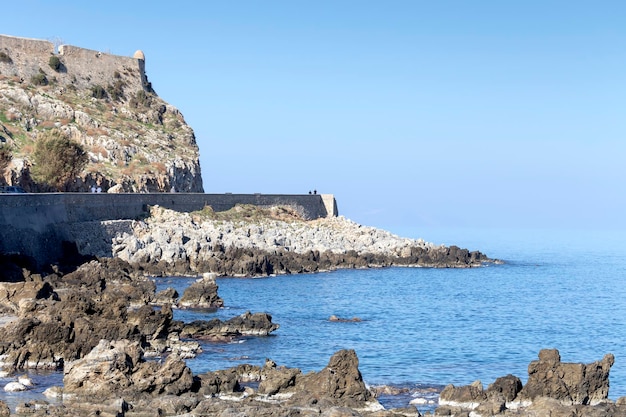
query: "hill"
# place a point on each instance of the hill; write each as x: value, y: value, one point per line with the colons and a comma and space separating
x: 129, y: 138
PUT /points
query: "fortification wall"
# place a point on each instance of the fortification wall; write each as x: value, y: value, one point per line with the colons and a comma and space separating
x: 80, y: 67
x: 37, y: 225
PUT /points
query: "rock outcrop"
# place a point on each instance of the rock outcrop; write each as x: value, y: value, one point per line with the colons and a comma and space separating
x: 340, y: 380
x: 115, y: 379
x: 135, y: 141
x: 553, y: 388
x: 190, y: 243
x: 246, y: 324
x: 202, y: 294
x: 57, y: 319
x: 569, y: 383
x: 117, y: 368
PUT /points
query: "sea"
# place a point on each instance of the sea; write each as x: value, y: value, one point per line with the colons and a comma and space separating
x: 419, y: 329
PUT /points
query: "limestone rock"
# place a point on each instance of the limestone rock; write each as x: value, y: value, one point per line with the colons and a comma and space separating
x: 118, y: 368
x: 467, y: 396
x: 166, y: 296
x: 504, y: 388
x: 153, y: 149
x: 340, y: 381
x: 15, y: 386
x: 222, y: 381
x: 202, y: 294
x: 5, y: 411
x: 183, y: 243
x: 100, y: 300
x: 553, y: 389
x: 278, y: 380
x: 570, y: 383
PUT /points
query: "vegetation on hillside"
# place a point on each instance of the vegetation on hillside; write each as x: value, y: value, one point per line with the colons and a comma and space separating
x: 57, y: 160
x: 5, y: 158
x: 129, y: 137
x: 248, y: 213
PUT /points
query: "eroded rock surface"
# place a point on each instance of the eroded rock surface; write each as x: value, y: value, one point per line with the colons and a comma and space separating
x: 246, y: 324
x: 53, y: 320
x: 117, y: 368
x: 202, y: 294
x: 188, y: 243
x: 554, y: 388
x: 570, y: 383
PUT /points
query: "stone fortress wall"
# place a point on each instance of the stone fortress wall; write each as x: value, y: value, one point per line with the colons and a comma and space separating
x: 38, y: 225
x: 23, y: 58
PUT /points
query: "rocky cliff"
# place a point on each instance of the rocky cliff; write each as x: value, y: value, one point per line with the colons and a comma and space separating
x: 135, y: 141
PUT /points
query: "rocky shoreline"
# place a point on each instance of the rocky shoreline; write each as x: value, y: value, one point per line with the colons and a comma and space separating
x: 102, y: 323
x: 252, y: 241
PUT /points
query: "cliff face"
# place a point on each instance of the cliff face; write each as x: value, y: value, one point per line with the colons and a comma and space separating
x: 135, y: 141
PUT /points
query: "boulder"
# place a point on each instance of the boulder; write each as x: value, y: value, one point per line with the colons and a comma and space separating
x: 202, y: 294
x: 277, y: 380
x: 466, y: 397
x: 117, y: 368
x: 569, y: 383
x: 167, y: 296
x: 15, y: 386
x: 553, y: 389
x: 504, y: 388
x: 340, y: 381
x: 222, y: 381
x: 14, y: 296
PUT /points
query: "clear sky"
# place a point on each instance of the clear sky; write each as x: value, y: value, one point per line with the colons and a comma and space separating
x: 481, y: 114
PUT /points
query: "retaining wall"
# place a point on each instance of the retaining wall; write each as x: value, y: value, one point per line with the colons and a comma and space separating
x: 37, y: 225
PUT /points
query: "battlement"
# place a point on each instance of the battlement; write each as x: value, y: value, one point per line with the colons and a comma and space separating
x: 24, y: 58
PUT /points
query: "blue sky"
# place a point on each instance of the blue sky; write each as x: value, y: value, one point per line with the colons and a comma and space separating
x: 415, y: 114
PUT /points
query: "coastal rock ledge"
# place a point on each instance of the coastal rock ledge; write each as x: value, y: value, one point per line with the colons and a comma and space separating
x: 553, y: 389
x: 247, y: 243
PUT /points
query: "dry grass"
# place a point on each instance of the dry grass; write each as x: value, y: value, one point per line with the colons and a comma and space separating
x: 96, y: 131
x: 100, y: 150
x: 47, y: 124
x: 159, y: 167
x: 248, y: 213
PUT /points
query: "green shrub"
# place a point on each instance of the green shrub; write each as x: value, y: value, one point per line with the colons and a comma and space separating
x: 141, y: 99
x: 57, y: 160
x: 98, y: 91
x: 39, y: 79
x: 116, y: 90
x: 5, y: 157
x: 5, y: 58
x: 54, y: 62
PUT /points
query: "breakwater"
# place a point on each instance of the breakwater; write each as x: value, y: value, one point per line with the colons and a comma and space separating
x: 40, y: 225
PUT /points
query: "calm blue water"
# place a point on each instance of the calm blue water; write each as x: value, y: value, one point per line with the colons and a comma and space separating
x: 557, y: 289
x: 430, y: 327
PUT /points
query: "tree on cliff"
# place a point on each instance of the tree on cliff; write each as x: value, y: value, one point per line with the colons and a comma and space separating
x: 57, y: 160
